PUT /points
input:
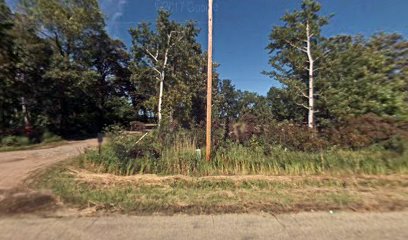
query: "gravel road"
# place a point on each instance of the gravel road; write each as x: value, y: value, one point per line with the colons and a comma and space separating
x: 16, y: 166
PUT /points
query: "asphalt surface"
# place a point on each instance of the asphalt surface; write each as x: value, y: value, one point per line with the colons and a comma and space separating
x: 314, y: 226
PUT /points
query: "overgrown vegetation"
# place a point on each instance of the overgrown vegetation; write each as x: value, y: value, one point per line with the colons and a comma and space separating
x: 179, y: 153
x: 215, y: 195
x: 340, y: 109
x: 19, y: 142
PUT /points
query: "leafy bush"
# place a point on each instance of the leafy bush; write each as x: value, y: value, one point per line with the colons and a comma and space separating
x: 355, y: 133
x: 125, y: 155
x: 15, y: 141
x: 49, y: 137
x: 245, y: 129
x: 295, y: 137
x: 366, y: 130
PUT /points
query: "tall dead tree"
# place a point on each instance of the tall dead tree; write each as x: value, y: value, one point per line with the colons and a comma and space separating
x: 311, y: 110
x: 307, y: 49
x: 159, y: 62
x: 295, y: 48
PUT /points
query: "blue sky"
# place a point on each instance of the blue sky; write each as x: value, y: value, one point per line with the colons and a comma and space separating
x: 241, y: 27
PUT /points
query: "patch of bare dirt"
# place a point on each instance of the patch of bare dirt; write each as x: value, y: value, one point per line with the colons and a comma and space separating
x: 16, y: 167
x: 16, y: 201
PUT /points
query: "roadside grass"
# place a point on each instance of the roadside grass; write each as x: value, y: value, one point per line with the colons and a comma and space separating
x: 17, y: 143
x: 47, y: 144
x: 149, y: 194
x: 181, y: 158
x: 145, y: 177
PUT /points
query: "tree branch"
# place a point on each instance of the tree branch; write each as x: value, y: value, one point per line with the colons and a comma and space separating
x: 302, y: 105
x: 297, y: 47
x: 155, y: 69
x: 301, y: 91
x: 151, y: 55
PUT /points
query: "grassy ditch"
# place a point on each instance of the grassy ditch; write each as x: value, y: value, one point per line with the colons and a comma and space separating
x: 125, y: 156
x: 148, y: 194
x: 156, y: 175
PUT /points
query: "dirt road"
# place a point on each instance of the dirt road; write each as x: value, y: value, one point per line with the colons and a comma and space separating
x: 16, y: 166
x: 294, y: 226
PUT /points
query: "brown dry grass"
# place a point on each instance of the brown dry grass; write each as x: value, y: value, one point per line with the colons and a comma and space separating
x: 111, y: 179
x: 148, y: 194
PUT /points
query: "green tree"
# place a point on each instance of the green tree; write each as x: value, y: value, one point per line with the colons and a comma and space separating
x: 110, y: 60
x: 86, y: 65
x: 32, y: 61
x: 168, y: 67
x: 226, y: 105
x: 282, y: 102
x: 8, y: 104
x: 395, y: 49
x: 295, y: 50
x: 361, y: 78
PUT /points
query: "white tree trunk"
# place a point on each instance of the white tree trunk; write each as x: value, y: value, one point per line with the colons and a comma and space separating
x: 24, y: 110
x: 311, y: 79
x: 159, y: 107
x: 161, y: 70
x: 162, y: 77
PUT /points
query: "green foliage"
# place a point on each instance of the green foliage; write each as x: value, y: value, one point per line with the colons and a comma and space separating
x: 61, y: 72
x: 354, y: 76
x: 178, y: 154
x: 365, y: 131
x: 7, y: 65
x: 360, y: 79
x: 49, y: 137
x: 289, y: 60
x: 61, y: 53
x: 15, y: 141
x: 169, y: 53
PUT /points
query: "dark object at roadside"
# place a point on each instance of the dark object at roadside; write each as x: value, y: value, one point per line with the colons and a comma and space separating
x: 137, y: 126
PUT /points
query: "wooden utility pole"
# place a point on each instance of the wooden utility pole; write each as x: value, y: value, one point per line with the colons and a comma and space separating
x: 209, y: 80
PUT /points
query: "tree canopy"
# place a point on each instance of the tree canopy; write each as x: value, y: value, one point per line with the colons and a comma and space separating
x: 61, y: 71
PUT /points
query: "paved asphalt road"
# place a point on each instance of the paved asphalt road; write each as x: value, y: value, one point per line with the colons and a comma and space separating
x: 314, y: 226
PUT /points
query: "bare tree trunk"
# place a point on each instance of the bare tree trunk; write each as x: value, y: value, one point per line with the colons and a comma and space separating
x: 311, y: 79
x: 159, y: 110
x: 162, y: 76
x: 25, y: 113
x: 161, y: 70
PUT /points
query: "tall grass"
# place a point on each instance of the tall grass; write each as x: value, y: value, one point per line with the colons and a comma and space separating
x: 181, y: 156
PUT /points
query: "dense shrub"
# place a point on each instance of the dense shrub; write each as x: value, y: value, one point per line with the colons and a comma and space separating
x: 366, y: 130
x: 49, y: 137
x: 355, y: 133
x: 182, y: 157
x: 15, y: 141
x: 245, y: 129
x: 249, y: 130
x: 295, y: 137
